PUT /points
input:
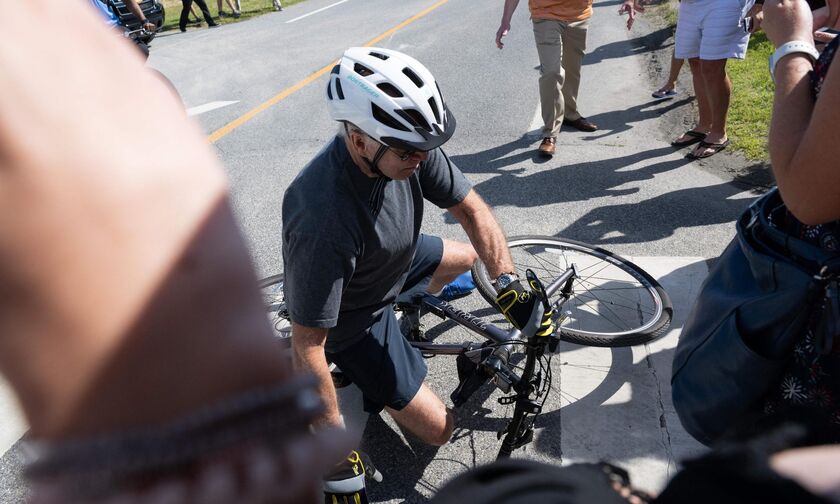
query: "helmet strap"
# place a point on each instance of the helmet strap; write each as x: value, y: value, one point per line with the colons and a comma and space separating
x: 374, y: 165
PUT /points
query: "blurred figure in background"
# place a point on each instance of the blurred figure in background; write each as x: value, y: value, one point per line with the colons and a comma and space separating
x: 185, y: 14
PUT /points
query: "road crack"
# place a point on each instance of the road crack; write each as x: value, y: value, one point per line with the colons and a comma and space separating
x: 664, y: 432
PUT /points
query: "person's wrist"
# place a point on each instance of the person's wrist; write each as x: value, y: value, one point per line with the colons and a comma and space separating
x: 799, y: 48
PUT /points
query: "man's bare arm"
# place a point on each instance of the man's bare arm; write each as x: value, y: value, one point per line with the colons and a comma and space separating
x: 138, y: 13
x: 308, y: 355
x: 485, y: 233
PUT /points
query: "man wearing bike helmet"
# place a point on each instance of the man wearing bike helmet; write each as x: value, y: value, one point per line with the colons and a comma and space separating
x: 352, y: 241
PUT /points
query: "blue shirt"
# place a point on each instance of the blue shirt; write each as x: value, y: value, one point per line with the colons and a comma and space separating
x: 111, y: 17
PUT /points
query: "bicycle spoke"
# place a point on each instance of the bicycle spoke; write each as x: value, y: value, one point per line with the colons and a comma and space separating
x: 634, y: 307
x: 583, y: 283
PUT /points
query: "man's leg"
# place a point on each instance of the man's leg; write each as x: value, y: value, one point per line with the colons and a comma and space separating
x: 718, y: 89
x: 573, y: 36
x: 186, y: 5
x: 426, y: 417
x: 206, y: 12
x: 547, y: 35
x: 457, y: 258
x: 704, y: 110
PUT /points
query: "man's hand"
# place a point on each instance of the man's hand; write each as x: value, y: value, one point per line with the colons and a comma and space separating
x: 631, y: 7
x: 149, y: 27
x: 756, y: 13
x: 516, y: 304
x: 503, y: 30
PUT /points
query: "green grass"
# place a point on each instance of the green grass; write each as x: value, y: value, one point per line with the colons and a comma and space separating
x: 752, y: 99
x: 250, y: 8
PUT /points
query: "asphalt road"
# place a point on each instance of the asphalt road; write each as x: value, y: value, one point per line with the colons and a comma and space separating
x: 622, y: 187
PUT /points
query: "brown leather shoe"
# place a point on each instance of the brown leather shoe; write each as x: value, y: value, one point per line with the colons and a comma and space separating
x: 581, y: 124
x: 547, y: 147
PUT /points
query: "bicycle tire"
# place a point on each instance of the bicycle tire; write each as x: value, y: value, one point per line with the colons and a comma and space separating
x: 274, y: 298
x: 639, y: 315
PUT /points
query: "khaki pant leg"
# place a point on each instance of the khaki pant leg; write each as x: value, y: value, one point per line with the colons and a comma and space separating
x: 574, y: 47
x: 547, y: 35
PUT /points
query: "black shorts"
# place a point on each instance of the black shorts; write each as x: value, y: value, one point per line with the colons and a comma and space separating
x: 387, y: 369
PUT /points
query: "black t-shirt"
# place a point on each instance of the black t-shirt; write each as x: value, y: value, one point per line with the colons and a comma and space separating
x: 348, y: 239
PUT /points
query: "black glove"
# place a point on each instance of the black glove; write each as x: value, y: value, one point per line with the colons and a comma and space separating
x: 346, y: 482
x: 517, y: 304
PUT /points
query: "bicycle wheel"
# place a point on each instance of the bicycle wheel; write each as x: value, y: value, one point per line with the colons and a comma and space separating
x: 275, y: 301
x: 613, y: 302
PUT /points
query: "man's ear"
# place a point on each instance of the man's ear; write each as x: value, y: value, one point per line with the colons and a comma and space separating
x: 359, y: 143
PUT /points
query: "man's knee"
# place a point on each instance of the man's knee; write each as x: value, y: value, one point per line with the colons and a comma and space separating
x: 458, y: 256
x: 444, y: 434
x: 713, y: 69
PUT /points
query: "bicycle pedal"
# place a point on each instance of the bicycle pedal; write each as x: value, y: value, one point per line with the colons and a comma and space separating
x: 507, y: 400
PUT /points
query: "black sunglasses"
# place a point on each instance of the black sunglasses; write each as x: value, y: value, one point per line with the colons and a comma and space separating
x: 405, y: 156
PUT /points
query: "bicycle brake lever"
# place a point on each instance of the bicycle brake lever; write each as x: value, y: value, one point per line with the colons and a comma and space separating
x: 537, y: 287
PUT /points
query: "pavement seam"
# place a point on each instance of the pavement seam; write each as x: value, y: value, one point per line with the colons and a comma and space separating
x: 665, y: 434
x: 560, y: 416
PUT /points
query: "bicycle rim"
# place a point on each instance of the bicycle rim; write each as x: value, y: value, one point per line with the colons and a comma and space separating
x: 613, y: 302
x: 275, y: 302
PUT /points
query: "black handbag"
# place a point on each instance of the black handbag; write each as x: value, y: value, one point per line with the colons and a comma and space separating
x: 756, y: 303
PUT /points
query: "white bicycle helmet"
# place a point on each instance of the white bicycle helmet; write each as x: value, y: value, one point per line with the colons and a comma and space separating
x: 390, y: 96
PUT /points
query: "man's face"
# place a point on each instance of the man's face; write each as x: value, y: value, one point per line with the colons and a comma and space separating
x: 398, y: 164
x: 395, y: 164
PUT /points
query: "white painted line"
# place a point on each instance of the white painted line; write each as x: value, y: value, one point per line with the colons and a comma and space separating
x: 536, y: 122
x: 207, y: 107
x: 12, y: 423
x: 314, y: 12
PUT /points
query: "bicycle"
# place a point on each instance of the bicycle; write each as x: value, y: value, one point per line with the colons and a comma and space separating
x: 598, y: 298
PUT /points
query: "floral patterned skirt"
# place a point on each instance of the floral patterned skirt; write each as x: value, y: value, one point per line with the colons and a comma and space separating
x: 811, y: 378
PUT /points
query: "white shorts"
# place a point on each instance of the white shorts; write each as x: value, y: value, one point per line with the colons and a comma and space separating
x: 710, y: 30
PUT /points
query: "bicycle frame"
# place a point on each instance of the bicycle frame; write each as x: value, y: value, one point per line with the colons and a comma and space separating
x: 518, y: 433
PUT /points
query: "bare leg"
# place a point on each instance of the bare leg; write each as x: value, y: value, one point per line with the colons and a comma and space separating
x: 426, y: 417
x: 457, y: 258
x: 673, y: 74
x: 704, y: 122
x: 718, y: 91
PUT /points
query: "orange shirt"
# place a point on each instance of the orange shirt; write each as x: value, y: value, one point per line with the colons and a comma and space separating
x: 562, y: 10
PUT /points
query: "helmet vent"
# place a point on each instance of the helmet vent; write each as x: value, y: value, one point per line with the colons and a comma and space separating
x: 362, y: 70
x: 414, y: 117
x: 386, y: 118
x: 381, y: 56
x: 433, y: 105
x: 338, y: 89
x: 413, y: 76
x: 329, y: 90
x: 336, y: 69
x: 390, y: 90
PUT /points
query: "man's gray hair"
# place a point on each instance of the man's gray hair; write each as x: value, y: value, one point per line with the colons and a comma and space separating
x: 347, y: 127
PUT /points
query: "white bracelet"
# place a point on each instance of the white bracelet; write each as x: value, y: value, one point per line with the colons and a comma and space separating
x: 794, y: 46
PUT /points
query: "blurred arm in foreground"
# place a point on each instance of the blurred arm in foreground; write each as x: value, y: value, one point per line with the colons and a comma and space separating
x: 127, y: 296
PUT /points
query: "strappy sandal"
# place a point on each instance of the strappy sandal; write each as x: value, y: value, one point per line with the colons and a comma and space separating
x: 711, y: 149
x: 693, y: 138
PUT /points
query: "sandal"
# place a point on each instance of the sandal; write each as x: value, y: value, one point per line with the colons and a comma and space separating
x: 715, y: 148
x: 693, y: 138
x: 664, y: 94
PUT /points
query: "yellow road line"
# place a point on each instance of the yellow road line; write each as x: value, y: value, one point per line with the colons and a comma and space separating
x: 239, y: 121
